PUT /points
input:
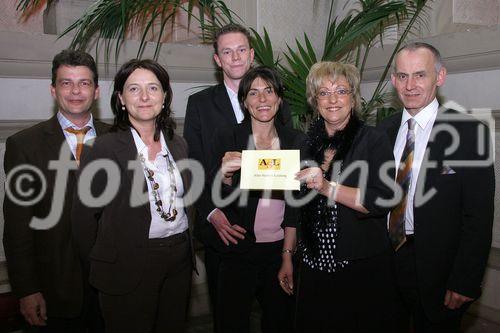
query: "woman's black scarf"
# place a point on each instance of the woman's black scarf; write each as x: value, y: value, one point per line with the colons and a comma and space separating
x: 317, y: 214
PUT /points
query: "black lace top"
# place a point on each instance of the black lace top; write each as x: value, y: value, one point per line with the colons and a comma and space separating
x: 319, y: 220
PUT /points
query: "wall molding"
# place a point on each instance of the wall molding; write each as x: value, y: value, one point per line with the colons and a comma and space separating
x: 10, y: 127
x: 24, y: 55
x: 462, y: 52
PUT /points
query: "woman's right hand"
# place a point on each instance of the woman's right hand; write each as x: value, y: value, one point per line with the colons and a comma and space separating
x: 231, y: 162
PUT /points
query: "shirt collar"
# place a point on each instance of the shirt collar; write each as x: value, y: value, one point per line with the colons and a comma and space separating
x: 141, y: 146
x: 424, y: 116
x: 65, y: 122
x: 230, y: 92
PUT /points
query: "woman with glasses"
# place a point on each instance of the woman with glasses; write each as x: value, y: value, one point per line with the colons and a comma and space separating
x: 345, y: 279
x: 136, y: 236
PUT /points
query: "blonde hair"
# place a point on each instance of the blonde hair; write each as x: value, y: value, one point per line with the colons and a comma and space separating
x: 331, y: 71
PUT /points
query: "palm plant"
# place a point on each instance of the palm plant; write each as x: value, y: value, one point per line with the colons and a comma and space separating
x: 111, y: 21
x: 349, y: 39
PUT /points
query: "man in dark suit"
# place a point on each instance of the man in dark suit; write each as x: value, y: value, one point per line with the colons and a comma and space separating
x: 213, y: 108
x: 44, y: 269
x: 441, y: 229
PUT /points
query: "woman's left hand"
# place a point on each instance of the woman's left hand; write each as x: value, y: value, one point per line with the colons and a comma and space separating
x: 313, y: 177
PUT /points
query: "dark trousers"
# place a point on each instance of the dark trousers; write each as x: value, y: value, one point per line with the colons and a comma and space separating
x: 212, y: 262
x: 249, y: 276
x: 159, y: 303
x: 410, y: 309
x: 358, y: 298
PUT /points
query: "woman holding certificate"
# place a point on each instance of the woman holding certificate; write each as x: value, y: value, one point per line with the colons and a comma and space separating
x: 257, y: 229
x: 346, y: 283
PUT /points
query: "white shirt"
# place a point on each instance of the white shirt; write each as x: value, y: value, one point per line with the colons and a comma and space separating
x: 159, y: 227
x: 424, y: 123
x: 70, y: 137
x: 233, y: 97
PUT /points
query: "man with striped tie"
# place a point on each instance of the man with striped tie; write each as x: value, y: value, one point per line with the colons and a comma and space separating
x: 441, y: 228
x: 45, y: 272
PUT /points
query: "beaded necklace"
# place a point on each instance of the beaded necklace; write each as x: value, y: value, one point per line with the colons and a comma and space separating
x: 155, y: 186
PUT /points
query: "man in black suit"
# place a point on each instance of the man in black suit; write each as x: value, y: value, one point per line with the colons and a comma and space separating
x: 213, y: 108
x: 443, y: 238
x: 44, y: 269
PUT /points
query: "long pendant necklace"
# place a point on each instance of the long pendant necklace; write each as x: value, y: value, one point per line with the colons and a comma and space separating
x: 171, y: 213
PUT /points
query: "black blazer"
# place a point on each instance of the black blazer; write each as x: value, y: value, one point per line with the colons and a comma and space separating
x: 453, y: 227
x: 365, y: 235
x: 43, y: 260
x: 208, y: 110
x: 113, y: 235
x: 236, y: 138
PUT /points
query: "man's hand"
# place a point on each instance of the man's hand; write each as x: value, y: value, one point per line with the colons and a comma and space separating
x: 453, y: 300
x: 33, y: 309
x: 227, y: 232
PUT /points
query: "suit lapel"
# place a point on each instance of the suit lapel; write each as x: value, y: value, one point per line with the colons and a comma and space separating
x: 55, y: 138
x: 393, y: 128
x: 126, y: 151
x: 55, y: 141
x: 223, y: 103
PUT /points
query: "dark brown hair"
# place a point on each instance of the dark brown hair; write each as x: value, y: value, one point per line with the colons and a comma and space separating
x: 73, y: 58
x: 163, y: 120
x: 271, y: 77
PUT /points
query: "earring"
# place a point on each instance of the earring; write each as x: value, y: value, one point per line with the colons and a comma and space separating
x: 163, y: 106
x: 123, y: 107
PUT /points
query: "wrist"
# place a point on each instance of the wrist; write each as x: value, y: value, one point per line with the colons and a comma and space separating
x: 287, y: 253
x: 332, y: 190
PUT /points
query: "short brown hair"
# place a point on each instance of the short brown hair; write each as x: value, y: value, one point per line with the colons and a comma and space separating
x: 230, y: 28
x: 74, y: 58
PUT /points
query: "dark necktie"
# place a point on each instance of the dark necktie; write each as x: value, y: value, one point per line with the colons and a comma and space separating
x: 80, y: 135
x: 397, y: 232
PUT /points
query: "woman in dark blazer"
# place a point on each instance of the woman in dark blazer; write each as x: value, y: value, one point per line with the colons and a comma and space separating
x: 253, y: 237
x: 135, y: 234
x: 346, y: 282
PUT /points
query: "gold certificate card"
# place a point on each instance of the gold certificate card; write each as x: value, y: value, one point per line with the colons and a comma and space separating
x: 269, y: 169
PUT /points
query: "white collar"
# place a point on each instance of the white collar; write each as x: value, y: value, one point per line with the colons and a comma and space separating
x: 423, y: 116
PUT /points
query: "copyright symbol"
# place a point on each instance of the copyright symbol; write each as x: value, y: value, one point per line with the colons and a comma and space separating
x: 15, y: 183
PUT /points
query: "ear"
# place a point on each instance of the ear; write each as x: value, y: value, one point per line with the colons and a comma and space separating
x: 441, y: 76
x: 121, y: 99
x: 252, y: 55
x: 217, y: 60
x: 53, y: 91
x: 393, y: 80
x: 97, y: 93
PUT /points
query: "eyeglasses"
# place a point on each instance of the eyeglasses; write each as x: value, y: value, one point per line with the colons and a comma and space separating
x: 325, y: 94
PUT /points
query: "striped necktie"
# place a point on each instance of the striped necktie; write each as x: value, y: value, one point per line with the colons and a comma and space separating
x: 80, y: 135
x: 397, y: 232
